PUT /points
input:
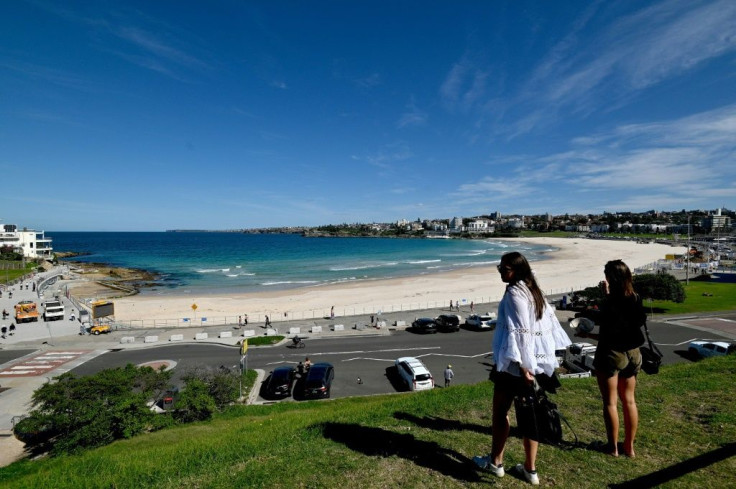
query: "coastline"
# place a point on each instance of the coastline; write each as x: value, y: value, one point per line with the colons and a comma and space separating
x: 575, y: 263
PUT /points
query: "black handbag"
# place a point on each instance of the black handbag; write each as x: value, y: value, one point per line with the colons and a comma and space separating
x: 539, y: 418
x: 651, y: 357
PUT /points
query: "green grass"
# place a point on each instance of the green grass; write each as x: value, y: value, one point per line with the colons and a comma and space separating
x: 8, y: 275
x: 718, y: 297
x: 426, y: 439
x: 264, y: 340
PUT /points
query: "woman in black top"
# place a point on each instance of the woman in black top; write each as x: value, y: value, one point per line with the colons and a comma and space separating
x: 617, y: 357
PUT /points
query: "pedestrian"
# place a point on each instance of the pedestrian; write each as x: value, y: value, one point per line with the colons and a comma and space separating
x: 332, y: 312
x: 245, y: 319
x: 524, y: 343
x: 617, y: 358
x: 268, y: 321
x: 472, y: 307
x: 371, y: 319
x: 449, y: 374
x: 240, y: 322
x: 457, y: 306
x: 451, y: 306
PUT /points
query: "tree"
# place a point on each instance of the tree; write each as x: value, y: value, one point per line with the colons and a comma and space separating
x: 660, y: 286
x: 75, y: 413
x: 195, y: 402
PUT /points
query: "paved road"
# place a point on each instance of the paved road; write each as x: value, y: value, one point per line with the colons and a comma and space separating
x: 370, y: 358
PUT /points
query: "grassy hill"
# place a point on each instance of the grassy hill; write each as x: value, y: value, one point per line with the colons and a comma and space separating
x: 687, y: 438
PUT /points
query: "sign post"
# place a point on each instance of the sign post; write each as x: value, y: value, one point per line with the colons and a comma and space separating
x: 194, y: 310
x: 243, y: 363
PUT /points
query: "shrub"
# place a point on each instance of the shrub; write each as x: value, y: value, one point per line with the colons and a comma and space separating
x: 660, y: 286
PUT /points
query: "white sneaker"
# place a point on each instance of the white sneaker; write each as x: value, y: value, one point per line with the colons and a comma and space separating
x: 531, y: 477
x: 485, y: 464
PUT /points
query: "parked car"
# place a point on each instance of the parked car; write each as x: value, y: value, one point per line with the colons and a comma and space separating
x: 482, y: 322
x: 424, y: 325
x: 319, y: 381
x: 710, y: 348
x: 280, y: 382
x: 100, y: 328
x: 448, y: 322
x: 414, y: 373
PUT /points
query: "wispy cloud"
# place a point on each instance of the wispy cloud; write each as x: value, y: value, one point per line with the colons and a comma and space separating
x: 413, y: 116
x: 464, y: 85
x: 387, y: 157
x: 643, y: 49
x: 633, y: 166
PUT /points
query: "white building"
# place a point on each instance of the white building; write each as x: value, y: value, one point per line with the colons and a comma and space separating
x: 479, y: 226
x: 33, y: 244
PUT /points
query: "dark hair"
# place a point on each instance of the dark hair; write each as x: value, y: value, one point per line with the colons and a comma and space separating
x: 523, y: 273
x: 620, y: 281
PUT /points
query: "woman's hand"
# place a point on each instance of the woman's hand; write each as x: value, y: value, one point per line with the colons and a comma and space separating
x: 528, y: 375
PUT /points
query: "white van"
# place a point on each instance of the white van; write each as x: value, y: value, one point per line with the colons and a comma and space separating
x: 414, y: 373
x: 53, y: 310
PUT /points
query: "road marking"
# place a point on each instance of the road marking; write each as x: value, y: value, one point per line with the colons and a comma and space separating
x: 358, y: 352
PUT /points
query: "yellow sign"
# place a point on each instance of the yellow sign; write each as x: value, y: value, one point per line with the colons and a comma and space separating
x: 194, y: 307
x: 244, y: 347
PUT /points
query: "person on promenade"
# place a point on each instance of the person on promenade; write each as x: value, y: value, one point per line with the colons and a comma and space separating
x: 268, y: 321
x: 332, y: 312
x: 245, y: 319
x: 526, y: 337
x: 449, y: 374
x: 240, y: 321
x: 472, y: 307
x: 617, y: 358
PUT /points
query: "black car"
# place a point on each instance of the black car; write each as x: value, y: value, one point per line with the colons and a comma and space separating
x: 448, y: 322
x: 318, y: 383
x: 424, y: 325
x: 280, y: 381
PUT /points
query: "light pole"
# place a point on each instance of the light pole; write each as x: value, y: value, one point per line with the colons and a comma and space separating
x: 687, y: 267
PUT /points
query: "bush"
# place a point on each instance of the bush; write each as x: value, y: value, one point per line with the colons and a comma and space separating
x: 660, y: 286
x: 74, y: 413
x: 195, y: 403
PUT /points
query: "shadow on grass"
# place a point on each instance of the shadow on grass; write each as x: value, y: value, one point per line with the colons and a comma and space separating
x: 378, y: 442
x: 679, y: 469
x: 441, y: 424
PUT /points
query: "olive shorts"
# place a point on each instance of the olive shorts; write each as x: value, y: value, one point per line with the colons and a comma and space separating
x: 624, y: 363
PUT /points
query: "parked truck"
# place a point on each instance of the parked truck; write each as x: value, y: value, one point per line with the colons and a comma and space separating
x: 579, y: 357
x: 26, y: 312
x: 53, y: 311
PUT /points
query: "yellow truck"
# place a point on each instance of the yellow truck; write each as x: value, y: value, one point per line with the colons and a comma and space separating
x: 26, y: 312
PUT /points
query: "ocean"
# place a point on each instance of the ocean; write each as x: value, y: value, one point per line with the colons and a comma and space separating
x: 234, y: 262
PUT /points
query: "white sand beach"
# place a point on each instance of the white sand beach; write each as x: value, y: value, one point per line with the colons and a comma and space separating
x: 576, y: 264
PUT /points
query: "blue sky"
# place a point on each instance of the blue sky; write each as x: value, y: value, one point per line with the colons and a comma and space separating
x: 143, y: 115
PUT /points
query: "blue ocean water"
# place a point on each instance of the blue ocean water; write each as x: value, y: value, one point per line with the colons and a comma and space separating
x: 236, y: 262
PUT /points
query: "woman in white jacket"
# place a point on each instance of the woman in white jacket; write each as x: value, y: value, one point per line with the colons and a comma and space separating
x: 524, y: 343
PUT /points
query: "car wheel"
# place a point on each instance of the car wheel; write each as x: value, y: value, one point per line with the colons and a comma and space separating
x: 97, y: 332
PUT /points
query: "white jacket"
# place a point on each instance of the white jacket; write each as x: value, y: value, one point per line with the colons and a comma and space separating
x: 520, y: 340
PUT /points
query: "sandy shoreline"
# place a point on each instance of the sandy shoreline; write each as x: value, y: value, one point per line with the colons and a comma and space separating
x: 577, y: 263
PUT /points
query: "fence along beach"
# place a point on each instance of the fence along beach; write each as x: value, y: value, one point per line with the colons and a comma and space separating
x: 576, y: 263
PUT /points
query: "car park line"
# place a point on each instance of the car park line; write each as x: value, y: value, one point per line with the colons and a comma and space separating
x: 314, y: 354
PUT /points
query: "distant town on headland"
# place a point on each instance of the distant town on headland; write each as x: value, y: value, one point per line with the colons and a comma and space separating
x: 684, y: 222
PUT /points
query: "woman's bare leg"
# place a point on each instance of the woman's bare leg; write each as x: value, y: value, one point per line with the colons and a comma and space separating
x: 609, y: 396
x: 501, y: 404
x: 627, y: 393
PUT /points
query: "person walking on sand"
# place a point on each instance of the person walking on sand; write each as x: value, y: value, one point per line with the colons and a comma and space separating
x: 449, y: 374
x: 617, y: 358
x: 524, y: 343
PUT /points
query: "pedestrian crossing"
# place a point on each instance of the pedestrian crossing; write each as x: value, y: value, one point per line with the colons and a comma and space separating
x: 41, y: 364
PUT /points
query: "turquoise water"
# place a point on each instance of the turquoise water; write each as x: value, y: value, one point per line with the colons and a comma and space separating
x: 235, y: 262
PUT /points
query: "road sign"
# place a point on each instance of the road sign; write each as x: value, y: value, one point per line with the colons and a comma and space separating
x: 194, y: 307
x: 244, y: 347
